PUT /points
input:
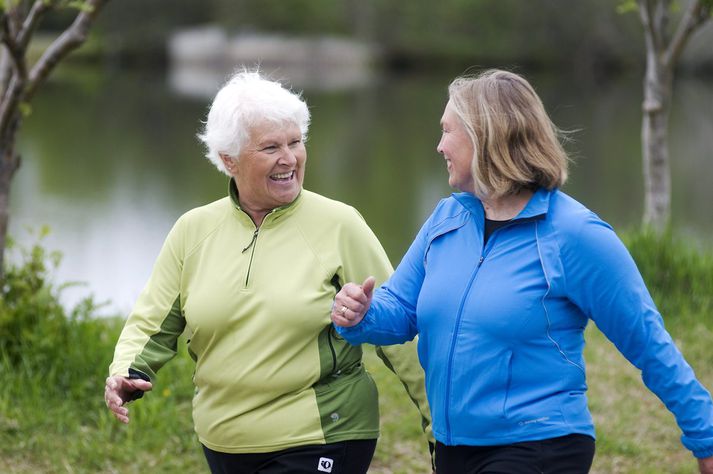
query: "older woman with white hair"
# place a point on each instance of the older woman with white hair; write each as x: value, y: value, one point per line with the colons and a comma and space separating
x: 250, y: 279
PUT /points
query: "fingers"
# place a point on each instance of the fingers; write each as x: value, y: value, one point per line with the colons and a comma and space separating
x: 121, y: 414
x: 351, y: 300
x: 354, y: 294
x: 705, y: 465
x: 118, y: 390
x: 114, y: 400
x: 345, y: 317
x: 368, y: 287
x: 352, y: 303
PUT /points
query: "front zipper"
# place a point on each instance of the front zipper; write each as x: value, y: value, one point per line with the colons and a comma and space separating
x: 453, y: 347
x: 487, y: 248
x: 334, y: 352
x: 252, y: 253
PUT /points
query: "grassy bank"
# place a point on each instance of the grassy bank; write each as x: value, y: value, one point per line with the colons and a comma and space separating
x: 53, y: 419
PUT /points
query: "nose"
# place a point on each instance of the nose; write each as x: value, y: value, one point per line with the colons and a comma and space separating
x: 439, y: 146
x: 287, y: 157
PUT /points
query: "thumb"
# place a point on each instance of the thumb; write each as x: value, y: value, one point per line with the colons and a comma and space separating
x: 139, y: 384
x: 368, y: 286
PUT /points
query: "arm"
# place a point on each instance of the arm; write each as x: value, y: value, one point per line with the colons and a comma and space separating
x: 149, y: 337
x: 401, y: 359
x: 390, y: 316
x: 602, y: 279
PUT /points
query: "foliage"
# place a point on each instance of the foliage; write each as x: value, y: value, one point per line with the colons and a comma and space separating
x: 32, y: 319
x: 678, y: 273
x: 626, y: 6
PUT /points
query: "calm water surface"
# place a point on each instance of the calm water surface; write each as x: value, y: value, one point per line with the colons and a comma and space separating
x: 110, y: 161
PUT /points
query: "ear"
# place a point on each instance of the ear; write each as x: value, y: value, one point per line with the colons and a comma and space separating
x: 228, y: 162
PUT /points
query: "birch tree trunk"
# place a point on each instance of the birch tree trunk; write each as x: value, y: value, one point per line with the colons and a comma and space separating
x: 662, y: 54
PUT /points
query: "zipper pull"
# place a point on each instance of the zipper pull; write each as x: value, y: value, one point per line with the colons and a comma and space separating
x: 252, y: 241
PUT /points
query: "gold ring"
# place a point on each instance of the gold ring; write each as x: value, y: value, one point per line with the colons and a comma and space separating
x: 344, y: 310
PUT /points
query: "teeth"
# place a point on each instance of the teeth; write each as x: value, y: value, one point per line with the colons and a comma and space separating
x: 282, y: 175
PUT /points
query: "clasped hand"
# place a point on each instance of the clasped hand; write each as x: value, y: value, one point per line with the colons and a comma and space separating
x: 352, y: 302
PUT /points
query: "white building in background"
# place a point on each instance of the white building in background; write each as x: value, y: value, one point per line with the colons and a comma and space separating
x: 201, y: 59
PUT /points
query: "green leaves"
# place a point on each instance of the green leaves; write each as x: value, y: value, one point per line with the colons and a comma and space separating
x: 626, y: 6
x: 78, y: 5
x: 35, y: 328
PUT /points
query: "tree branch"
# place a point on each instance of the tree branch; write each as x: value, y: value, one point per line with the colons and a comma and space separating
x: 14, y: 15
x: 12, y: 83
x: 10, y: 101
x: 31, y: 20
x: 16, y: 53
x: 69, y: 40
x: 5, y: 70
x: 696, y: 15
x: 647, y: 20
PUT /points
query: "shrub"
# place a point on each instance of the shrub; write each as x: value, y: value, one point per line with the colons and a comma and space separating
x: 678, y: 273
x: 36, y: 332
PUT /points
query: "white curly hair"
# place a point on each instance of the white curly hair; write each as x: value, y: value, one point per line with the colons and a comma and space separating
x: 244, y: 101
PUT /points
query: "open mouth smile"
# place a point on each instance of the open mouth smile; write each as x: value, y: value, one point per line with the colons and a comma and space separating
x: 282, y: 177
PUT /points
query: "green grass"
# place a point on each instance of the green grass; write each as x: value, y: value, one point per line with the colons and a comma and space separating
x: 53, y: 418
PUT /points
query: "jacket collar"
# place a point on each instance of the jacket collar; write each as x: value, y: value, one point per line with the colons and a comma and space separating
x: 273, y: 216
x: 536, y: 207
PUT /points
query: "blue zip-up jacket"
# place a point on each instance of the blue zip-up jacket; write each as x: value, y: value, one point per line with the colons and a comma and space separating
x: 501, y: 325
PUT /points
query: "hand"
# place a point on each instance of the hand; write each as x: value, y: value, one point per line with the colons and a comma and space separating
x: 352, y: 302
x: 705, y: 465
x: 118, y: 391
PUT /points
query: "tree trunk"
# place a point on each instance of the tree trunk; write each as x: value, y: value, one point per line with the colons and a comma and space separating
x: 654, y: 139
x: 9, y: 163
x: 662, y: 54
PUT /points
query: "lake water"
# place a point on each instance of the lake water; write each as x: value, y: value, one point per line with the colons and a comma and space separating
x: 110, y: 161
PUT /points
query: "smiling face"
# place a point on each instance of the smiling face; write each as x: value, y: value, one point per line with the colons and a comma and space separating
x: 269, y: 172
x: 457, y: 149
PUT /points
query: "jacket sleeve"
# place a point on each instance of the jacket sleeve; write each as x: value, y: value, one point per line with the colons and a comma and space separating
x: 149, y: 337
x: 391, y: 319
x: 602, y: 279
x: 367, y: 257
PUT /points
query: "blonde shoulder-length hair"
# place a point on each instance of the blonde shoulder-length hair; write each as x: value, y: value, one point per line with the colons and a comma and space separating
x: 516, y: 145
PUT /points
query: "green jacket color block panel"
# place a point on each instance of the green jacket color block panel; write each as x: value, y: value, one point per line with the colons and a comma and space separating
x: 271, y: 373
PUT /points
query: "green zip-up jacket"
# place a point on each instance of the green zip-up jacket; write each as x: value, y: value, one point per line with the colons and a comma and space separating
x: 271, y: 373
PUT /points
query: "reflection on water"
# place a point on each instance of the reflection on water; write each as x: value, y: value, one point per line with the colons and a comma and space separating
x: 110, y: 162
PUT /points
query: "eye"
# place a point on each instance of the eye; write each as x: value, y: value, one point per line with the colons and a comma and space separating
x: 269, y: 149
x: 295, y: 142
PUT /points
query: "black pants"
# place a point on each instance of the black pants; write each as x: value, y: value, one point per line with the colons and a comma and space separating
x: 571, y: 454
x: 346, y: 457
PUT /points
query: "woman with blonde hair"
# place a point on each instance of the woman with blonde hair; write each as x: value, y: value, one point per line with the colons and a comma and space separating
x: 500, y: 284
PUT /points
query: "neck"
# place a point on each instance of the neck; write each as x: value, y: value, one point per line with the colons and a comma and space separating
x: 257, y: 215
x: 504, y: 208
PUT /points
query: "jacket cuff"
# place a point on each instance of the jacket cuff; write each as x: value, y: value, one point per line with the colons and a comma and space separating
x: 351, y: 334
x: 135, y: 374
x: 703, y: 453
x: 701, y: 448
